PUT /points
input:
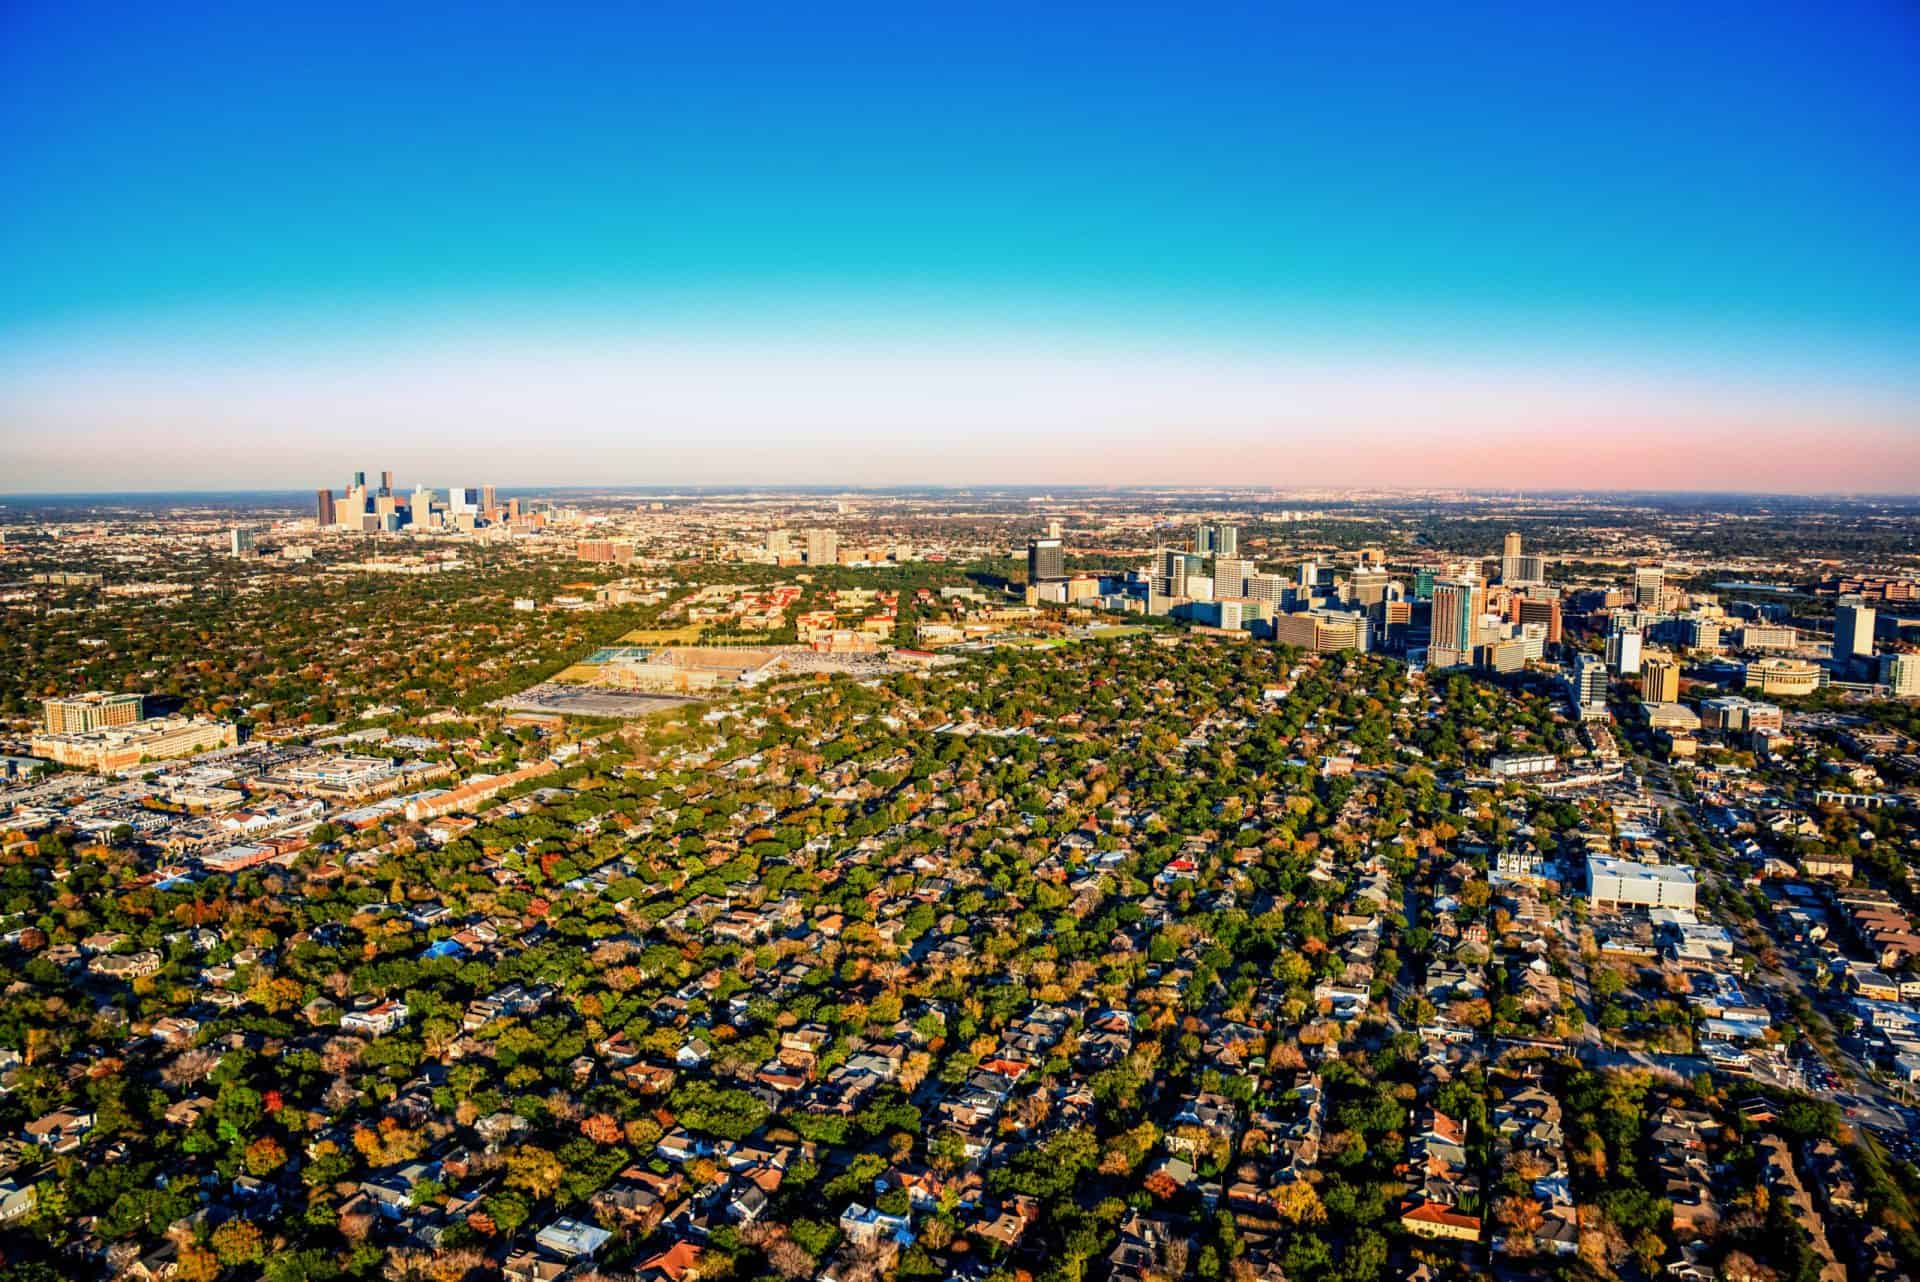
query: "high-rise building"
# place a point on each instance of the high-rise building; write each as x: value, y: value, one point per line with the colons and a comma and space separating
x: 240, y: 541
x: 1368, y: 587
x: 95, y: 710
x: 1659, y: 679
x: 1216, y: 540
x: 823, y: 547
x: 1392, y: 618
x: 1046, y: 560
x: 1518, y: 569
x: 1623, y: 651
x: 1510, y: 546
x: 359, y: 480
x: 386, y: 484
x: 1271, y: 588
x: 1648, y: 583
x: 489, y: 498
x: 1309, y: 576
x: 1456, y: 620
x: 1901, y: 672
x: 1535, y: 610
x: 1230, y: 575
x: 1589, y: 680
x: 1853, y: 621
x: 1171, y: 568
x: 323, y: 509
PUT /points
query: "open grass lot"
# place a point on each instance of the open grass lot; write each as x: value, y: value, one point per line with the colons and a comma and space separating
x: 687, y: 635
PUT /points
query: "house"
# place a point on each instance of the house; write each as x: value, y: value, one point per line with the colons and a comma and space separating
x: 869, y: 1226
x: 16, y: 1200
x: 1442, y: 1138
x: 61, y: 1130
x: 1432, y: 1220
x: 375, y: 1021
x: 571, y: 1240
x: 678, y: 1263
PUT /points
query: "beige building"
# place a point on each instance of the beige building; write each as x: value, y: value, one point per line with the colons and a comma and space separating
x: 95, y: 710
x: 120, y: 747
x: 1783, y: 676
x: 1659, y: 679
x: 1321, y: 634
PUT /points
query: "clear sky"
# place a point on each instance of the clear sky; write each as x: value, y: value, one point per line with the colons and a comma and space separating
x: 1616, y: 244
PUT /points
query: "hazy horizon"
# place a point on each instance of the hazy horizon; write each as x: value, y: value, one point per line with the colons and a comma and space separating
x: 1631, y: 249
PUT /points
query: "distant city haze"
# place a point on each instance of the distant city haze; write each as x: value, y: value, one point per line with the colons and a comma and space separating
x: 1630, y: 248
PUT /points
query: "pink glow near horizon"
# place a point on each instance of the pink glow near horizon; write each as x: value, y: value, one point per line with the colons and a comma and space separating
x: 863, y: 413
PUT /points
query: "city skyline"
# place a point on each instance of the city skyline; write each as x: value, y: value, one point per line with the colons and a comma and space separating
x: 1636, y: 249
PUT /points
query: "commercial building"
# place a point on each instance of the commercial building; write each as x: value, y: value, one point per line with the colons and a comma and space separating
x: 95, y: 710
x: 124, y: 746
x: 1901, y: 674
x: 1046, y: 560
x: 823, y: 547
x: 1230, y: 576
x: 1171, y: 570
x: 1649, y: 582
x: 1322, y: 631
x: 1736, y: 715
x: 1779, y: 676
x: 1518, y: 569
x: 1216, y: 540
x: 1763, y: 636
x: 607, y: 551
x: 1456, y: 622
x: 1672, y: 716
x: 1613, y: 883
x: 1392, y: 621
x: 1587, y: 683
x: 1507, y: 656
x: 1271, y: 588
x: 1369, y: 587
x: 1853, y: 621
x: 1519, y: 766
x: 323, y: 509
x: 1546, y: 611
x: 1623, y: 651
x: 1659, y: 679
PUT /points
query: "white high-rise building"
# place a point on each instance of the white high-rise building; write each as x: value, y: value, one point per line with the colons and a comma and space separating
x: 1853, y: 621
x: 1271, y: 588
x: 1588, y: 681
x: 1623, y: 651
x: 1230, y: 575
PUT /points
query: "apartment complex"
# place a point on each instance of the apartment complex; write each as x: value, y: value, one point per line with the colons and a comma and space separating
x: 119, y: 747
x: 94, y: 710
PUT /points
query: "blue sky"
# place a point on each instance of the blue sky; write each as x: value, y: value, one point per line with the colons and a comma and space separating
x: 1686, y: 197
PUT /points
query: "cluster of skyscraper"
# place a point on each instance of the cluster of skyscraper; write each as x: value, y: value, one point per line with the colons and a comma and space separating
x: 1498, y: 615
x: 383, y: 508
